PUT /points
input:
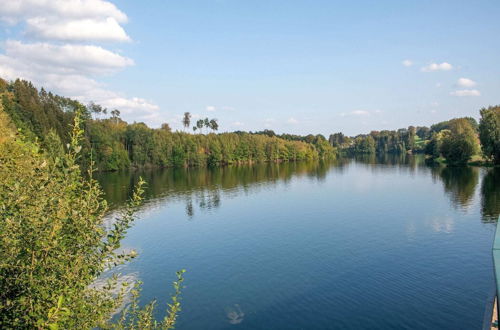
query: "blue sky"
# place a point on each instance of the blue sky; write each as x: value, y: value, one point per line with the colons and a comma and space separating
x: 292, y: 66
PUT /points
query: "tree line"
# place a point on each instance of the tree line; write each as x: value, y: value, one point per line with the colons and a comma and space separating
x: 114, y: 144
x: 454, y: 141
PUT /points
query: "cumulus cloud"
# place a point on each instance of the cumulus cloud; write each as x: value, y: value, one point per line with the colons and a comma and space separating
x: 131, y: 104
x: 210, y: 108
x: 407, y: 63
x: 437, y: 67
x: 466, y: 92
x: 69, y: 68
x: 466, y: 82
x: 64, y: 59
x: 292, y: 121
x: 238, y: 124
x: 86, y: 29
x: 13, y: 11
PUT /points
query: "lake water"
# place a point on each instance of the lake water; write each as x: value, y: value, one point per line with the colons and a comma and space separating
x: 363, y: 243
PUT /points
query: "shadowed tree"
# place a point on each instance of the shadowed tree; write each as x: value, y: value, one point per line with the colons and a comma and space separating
x: 489, y: 133
x: 490, y: 195
x: 115, y: 114
x: 199, y: 124
x: 214, y: 125
x: 95, y: 108
x: 166, y: 127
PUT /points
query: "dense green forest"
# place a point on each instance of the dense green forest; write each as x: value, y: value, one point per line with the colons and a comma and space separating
x: 455, y: 141
x: 114, y: 144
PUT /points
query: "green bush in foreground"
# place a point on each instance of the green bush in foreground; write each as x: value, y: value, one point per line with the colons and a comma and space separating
x: 54, y: 245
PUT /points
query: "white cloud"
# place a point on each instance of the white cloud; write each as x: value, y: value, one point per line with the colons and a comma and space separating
x: 65, y: 59
x: 407, y: 63
x: 130, y: 104
x: 292, y: 121
x: 13, y: 11
x: 466, y: 82
x: 434, y: 104
x: 212, y: 108
x: 86, y: 29
x: 466, y: 92
x: 71, y: 69
x: 237, y: 124
x: 358, y: 113
x: 437, y: 67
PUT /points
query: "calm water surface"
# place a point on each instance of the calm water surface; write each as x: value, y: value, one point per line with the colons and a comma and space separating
x: 353, y: 244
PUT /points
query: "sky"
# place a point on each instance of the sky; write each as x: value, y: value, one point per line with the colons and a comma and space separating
x: 299, y: 67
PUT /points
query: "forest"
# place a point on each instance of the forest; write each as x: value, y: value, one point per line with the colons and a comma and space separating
x: 455, y: 142
x: 114, y: 144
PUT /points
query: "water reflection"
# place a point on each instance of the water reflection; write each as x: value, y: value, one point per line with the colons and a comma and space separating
x: 459, y: 183
x: 203, y: 188
x: 490, y: 191
x: 384, y: 232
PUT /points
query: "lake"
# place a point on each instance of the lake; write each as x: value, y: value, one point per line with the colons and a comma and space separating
x: 366, y: 243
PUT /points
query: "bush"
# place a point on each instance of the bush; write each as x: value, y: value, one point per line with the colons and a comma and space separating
x: 54, y: 244
x: 459, y: 143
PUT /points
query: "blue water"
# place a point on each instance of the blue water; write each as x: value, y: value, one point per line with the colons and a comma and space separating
x: 354, y: 244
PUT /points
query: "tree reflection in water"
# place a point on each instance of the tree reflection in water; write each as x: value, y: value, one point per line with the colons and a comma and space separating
x: 490, y: 192
x: 459, y: 183
x: 203, y: 187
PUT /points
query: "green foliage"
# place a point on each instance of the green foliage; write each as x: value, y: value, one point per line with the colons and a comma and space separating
x: 433, y: 147
x: 339, y: 140
x: 112, y: 144
x: 364, y: 145
x: 447, y: 124
x: 380, y: 142
x: 135, y: 317
x: 54, y: 244
x: 460, y: 142
x: 489, y: 133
